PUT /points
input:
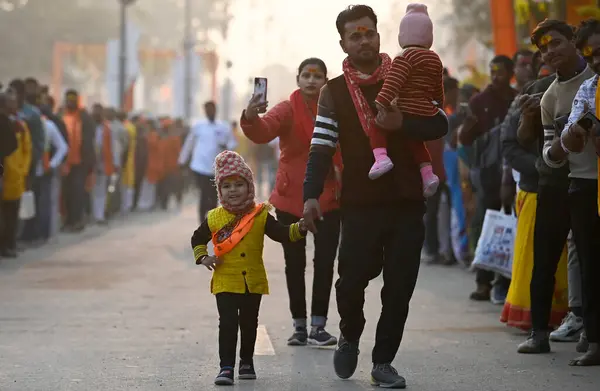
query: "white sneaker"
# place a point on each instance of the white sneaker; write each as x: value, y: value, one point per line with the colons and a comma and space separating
x: 569, y: 330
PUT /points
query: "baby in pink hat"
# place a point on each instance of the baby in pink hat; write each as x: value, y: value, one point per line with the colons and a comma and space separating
x: 414, y: 83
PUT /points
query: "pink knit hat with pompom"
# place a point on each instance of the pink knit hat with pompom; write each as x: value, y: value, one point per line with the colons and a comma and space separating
x: 416, y: 28
x: 228, y: 164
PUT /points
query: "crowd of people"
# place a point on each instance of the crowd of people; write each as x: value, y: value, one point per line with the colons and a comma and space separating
x: 79, y: 166
x: 526, y: 144
x: 394, y: 162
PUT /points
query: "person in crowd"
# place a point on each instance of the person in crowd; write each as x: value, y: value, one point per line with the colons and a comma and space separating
x: 464, y: 154
x: 54, y: 154
x: 8, y: 139
x: 80, y: 160
x: 383, y: 219
x: 154, y: 169
x: 38, y: 229
x: 128, y: 159
x: 458, y: 235
x: 27, y: 101
x: 205, y: 141
x: 554, y: 39
x: 487, y: 111
x: 141, y: 156
x: 16, y: 170
x: 120, y: 139
x: 415, y: 79
x: 170, y: 184
x: 266, y: 158
x: 107, y: 162
x: 578, y: 145
x: 517, y: 309
x: 292, y: 121
x: 239, y: 278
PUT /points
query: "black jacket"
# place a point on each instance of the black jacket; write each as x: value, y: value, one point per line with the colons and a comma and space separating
x: 523, y: 159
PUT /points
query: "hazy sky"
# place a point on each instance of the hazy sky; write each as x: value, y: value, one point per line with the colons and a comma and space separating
x: 300, y: 29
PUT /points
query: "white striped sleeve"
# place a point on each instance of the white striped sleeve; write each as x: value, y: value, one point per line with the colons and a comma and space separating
x: 325, y: 132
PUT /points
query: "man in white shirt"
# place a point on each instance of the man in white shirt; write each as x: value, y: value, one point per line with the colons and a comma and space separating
x: 55, y: 151
x: 207, y: 138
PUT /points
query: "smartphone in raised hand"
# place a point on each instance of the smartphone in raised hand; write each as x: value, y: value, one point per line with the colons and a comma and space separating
x: 260, y: 88
x: 588, y: 121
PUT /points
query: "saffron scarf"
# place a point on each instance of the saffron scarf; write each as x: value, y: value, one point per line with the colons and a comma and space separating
x: 355, y: 79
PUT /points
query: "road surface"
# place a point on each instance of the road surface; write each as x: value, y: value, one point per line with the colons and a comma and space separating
x: 125, y: 308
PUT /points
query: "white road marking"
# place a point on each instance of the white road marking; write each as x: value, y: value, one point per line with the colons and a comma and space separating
x: 263, y: 346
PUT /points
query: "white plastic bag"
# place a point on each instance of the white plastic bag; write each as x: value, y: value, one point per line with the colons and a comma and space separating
x: 495, y: 246
x: 27, y: 208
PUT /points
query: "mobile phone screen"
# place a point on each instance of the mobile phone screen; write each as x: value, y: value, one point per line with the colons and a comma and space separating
x: 260, y: 87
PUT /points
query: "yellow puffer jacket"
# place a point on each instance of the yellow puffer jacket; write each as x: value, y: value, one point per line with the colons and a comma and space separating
x: 243, y: 266
x: 16, y: 166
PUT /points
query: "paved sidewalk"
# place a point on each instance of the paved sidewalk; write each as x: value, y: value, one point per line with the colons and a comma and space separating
x: 124, y: 308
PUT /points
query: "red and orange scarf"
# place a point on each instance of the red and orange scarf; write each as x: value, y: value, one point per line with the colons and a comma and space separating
x: 355, y: 79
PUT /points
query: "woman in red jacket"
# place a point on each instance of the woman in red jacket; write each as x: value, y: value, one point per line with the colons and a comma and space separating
x: 293, y: 122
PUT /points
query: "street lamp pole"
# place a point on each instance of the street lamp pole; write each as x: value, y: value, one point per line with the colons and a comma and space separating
x: 123, y: 52
x: 188, y: 45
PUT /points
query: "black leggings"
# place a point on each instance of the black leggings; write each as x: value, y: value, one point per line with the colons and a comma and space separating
x: 237, y: 311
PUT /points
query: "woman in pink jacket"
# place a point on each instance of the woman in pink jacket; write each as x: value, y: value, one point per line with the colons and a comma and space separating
x: 292, y: 121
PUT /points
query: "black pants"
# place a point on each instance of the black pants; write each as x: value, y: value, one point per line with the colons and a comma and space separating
x: 375, y: 239
x: 75, y: 198
x: 237, y: 311
x: 208, y: 194
x: 171, y: 185
x: 326, y: 244
x: 432, y: 239
x: 583, y: 204
x: 552, y: 225
x: 429, y: 129
x: 10, y: 221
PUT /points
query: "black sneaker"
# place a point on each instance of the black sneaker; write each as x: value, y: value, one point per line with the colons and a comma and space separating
x: 345, y: 358
x: 537, y: 343
x: 247, y: 372
x: 321, y: 337
x: 386, y: 376
x: 225, y: 377
x: 298, y: 338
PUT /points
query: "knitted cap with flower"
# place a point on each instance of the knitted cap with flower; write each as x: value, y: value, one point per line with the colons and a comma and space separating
x: 228, y: 164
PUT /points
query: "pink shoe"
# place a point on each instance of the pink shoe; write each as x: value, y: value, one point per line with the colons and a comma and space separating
x: 382, y: 165
x: 430, y: 185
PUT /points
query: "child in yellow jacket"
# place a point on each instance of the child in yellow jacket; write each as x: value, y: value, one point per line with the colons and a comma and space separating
x: 239, y: 280
x: 16, y: 169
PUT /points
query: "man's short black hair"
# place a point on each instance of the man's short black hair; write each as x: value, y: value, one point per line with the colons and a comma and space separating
x: 585, y: 30
x: 18, y: 85
x: 450, y: 83
x: 522, y: 53
x: 352, y: 13
x: 71, y: 92
x: 548, y: 25
x: 210, y: 103
x: 508, y: 64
